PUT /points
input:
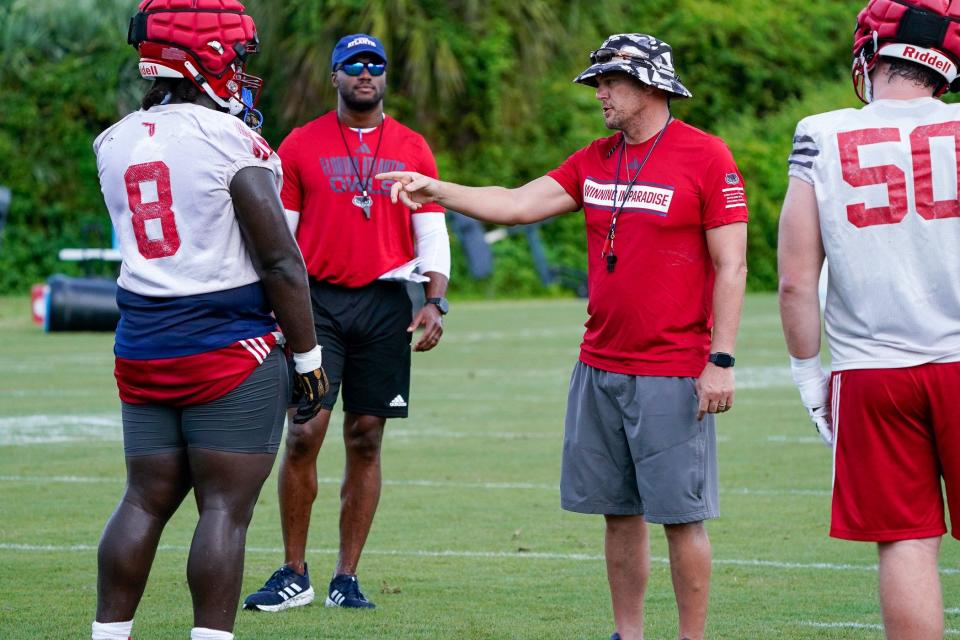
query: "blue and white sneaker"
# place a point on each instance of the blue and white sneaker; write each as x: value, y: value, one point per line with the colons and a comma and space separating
x: 345, y: 592
x: 615, y: 636
x: 285, y: 589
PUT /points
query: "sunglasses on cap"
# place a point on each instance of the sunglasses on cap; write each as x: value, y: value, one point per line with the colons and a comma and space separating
x: 356, y: 68
x: 606, y: 54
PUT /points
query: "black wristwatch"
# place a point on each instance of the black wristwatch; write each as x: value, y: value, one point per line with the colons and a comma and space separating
x: 722, y: 360
x: 441, y: 304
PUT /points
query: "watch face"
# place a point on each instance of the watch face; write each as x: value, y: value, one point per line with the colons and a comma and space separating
x: 441, y: 303
x: 722, y: 359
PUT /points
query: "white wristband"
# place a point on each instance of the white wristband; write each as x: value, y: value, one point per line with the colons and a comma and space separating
x: 811, y: 380
x: 307, y: 362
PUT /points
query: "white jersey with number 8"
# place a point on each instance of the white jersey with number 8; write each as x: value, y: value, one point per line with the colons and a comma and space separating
x: 165, y: 174
x: 886, y: 179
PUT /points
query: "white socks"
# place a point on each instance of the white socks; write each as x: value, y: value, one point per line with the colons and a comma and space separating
x: 112, y: 630
x: 122, y: 630
x: 202, y: 633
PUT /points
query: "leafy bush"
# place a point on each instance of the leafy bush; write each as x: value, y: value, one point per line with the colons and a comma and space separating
x: 761, y: 147
x: 59, y: 69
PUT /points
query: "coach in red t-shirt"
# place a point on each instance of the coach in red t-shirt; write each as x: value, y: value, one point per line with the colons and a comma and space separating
x: 666, y: 217
x: 360, y: 250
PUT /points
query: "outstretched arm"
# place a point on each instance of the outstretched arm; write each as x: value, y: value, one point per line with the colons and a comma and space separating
x: 537, y: 200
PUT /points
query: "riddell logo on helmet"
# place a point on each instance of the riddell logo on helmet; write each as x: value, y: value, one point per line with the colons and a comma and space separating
x: 149, y: 70
x: 927, y: 57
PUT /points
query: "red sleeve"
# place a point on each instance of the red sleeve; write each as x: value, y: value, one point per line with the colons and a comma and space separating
x: 291, y: 194
x: 568, y: 176
x: 426, y: 164
x: 721, y: 187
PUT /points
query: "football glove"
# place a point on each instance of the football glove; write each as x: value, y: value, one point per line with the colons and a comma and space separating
x: 814, y: 386
x: 311, y: 384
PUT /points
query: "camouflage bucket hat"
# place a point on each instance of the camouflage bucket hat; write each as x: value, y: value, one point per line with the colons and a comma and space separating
x: 644, y: 57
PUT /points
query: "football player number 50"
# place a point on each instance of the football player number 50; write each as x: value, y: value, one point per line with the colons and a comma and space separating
x: 160, y: 209
x: 893, y: 176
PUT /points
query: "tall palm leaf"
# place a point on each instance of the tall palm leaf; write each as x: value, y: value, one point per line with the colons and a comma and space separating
x: 430, y: 43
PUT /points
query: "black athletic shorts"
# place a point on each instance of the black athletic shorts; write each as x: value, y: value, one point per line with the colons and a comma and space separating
x: 366, y: 345
x: 249, y: 419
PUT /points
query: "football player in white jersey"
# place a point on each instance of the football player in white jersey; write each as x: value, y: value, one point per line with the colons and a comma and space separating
x: 875, y: 191
x: 209, y: 269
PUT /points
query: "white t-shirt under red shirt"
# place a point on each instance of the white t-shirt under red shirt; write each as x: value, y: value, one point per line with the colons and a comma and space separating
x: 653, y: 314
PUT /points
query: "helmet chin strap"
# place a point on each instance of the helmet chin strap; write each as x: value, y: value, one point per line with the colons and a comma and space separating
x: 232, y: 105
x: 867, y: 84
x: 865, y: 68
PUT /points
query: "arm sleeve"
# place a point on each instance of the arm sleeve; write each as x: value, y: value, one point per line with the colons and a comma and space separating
x: 723, y: 194
x: 568, y: 176
x: 803, y: 154
x: 432, y: 242
x: 291, y: 195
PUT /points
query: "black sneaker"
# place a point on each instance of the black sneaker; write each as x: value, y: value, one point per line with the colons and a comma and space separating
x: 285, y: 589
x: 345, y: 592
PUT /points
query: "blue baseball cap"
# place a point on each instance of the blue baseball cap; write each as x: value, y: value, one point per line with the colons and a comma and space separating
x: 352, y: 45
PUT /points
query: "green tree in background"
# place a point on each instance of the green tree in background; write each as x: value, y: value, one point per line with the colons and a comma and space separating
x: 488, y: 84
x: 59, y: 70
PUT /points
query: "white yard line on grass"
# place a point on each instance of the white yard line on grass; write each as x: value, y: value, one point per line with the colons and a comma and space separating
x: 794, y: 439
x: 860, y: 625
x: 450, y: 553
x: 540, y: 486
x: 47, y: 429
x: 50, y: 429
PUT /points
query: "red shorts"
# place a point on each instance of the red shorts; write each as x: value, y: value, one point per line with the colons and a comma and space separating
x: 897, y: 432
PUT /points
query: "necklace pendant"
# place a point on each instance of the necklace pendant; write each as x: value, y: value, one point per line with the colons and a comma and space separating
x: 363, y: 202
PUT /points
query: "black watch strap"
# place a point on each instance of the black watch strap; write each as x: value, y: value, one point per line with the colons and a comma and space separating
x: 722, y: 360
x: 441, y: 304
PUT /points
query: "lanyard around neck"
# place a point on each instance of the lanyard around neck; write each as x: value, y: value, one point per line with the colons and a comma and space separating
x: 365, y: 200
x: 607, y: 251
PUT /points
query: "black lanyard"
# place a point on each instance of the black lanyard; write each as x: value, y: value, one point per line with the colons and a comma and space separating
x: 607, y: 251
x: 363, y: 202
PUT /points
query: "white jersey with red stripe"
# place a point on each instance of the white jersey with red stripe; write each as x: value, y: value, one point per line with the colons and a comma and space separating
x: 165, y: 176
x: 194, y: 317
x: 886, y: 180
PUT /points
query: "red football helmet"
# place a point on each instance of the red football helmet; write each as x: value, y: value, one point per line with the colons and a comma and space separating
x: 923, y: 31
x: 207, y: 41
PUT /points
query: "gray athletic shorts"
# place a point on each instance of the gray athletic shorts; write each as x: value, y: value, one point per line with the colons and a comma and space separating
x: 249, y: 419
x: 632, y: 445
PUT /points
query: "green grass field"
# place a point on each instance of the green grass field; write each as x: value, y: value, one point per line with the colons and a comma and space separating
x: 469, y: 541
